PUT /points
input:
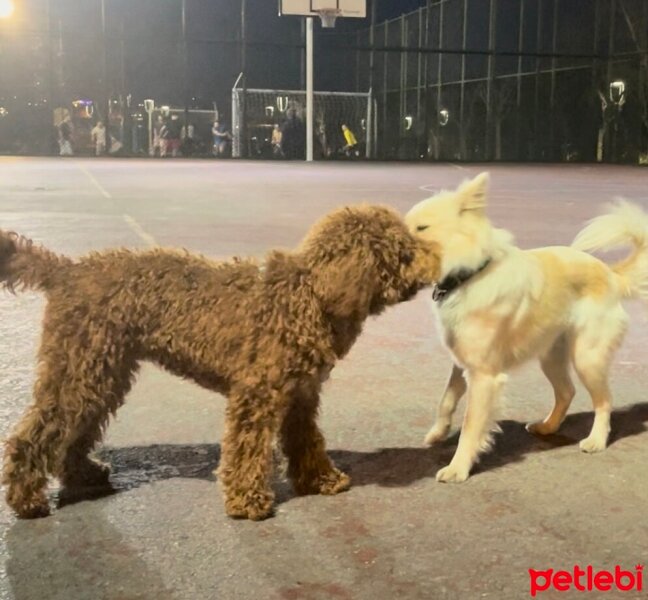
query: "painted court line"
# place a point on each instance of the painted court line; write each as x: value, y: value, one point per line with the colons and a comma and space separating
x: 102, y: 190
x: 141, y: 233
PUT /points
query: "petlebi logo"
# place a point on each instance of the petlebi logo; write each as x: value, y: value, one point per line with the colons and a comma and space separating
x: 587, y: 579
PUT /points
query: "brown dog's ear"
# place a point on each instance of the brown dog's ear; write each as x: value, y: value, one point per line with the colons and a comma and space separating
x: 472, y: 194
x: 345, y: 286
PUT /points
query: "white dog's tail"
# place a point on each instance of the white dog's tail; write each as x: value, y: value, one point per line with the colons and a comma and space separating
x: 624, y: 224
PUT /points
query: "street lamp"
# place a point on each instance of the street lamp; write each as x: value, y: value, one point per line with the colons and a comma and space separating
x: 6, y: 8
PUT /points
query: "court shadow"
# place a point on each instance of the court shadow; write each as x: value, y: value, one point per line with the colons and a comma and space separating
x: 134, y: 466
x: 387, y: 467
x: 399, y: 467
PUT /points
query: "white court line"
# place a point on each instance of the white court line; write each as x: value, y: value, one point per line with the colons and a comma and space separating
x: 137, y: 228
x: 104, y: 192
x: 431, y: 187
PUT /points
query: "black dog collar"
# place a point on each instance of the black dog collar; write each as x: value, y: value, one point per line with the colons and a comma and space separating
x: 454, y: 280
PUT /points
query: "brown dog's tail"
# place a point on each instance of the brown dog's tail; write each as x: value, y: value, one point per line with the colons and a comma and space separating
x: 24, y: 265
x: 625, y: 224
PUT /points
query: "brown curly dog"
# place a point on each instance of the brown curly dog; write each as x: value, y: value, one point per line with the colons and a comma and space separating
x: 265, y: 336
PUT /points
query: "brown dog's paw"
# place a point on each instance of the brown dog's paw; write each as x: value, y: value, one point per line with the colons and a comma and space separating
x: 90, y: 473
x: 255, y: 506
x: 33, y: 506
x: 334, y: 483
x: 330, y: 483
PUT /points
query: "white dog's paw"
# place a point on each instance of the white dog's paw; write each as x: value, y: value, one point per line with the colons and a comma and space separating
x: 452, y: 474
x: 541, y: 428
x: 593, y: 444
x: 437, y: 434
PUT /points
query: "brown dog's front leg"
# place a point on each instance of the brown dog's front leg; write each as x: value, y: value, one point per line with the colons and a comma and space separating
x: 246, y: 457
x: 309, y: 467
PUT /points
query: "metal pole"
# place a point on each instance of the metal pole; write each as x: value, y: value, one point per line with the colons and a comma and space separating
x: 309, y: 89
x: 243, y: 124
x: 488, y: 143
x: 127, y: 124
x: 104, y: 70
x: 437, y: 137
x: 419, y: 71
x: 302, y: 54
x: 518, y: 99
x: 426, y: 79
x: 372, y: 69
x: 50, y: 75
x: 462, y: 99
x: 385, y: 82
x: 596, y: 69
x: 185, y: 67
x: 643, y: 74
x: 609, y: 74
x: 357, y: 61
x: 536, y: 91
x: 369, y: 136
x: 403, y: 76
x: 372, y: 52
x: 552, y: 97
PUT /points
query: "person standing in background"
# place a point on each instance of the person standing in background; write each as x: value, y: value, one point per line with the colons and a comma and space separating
x: 65, y: 137
x: 350, y: 140
x: 98, y: 135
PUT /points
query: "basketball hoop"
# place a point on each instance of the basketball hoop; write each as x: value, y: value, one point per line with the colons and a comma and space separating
x: 328, y: 17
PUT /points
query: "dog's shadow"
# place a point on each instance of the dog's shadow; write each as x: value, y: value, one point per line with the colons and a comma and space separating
x: 387, y: 467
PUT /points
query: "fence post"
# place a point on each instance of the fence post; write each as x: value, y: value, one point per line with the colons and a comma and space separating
x: 462, y: 97
x: 536, y: 96
x: 552, y: 97
x: 518, y: 98
x: 488, y: 141
x: 437, y: 137
x: 243, y: 121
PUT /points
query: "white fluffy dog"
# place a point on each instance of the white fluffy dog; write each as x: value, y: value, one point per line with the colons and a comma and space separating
x: 500, y: 306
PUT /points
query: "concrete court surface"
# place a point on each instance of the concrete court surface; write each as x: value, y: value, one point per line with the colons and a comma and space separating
x: 532, y: 503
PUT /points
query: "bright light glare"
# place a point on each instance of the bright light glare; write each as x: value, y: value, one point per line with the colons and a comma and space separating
x: 6, y: 8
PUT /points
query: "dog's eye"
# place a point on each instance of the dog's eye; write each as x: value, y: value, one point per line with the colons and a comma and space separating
x: 421, y: 227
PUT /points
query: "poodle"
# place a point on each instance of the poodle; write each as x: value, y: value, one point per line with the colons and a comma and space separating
x: 500, y: 306
x: 265, y: 335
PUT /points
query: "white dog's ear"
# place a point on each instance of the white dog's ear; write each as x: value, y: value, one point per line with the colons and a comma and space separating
x: 472, y: 193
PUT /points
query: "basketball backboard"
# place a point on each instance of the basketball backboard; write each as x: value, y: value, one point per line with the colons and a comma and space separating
x: 314, y: 8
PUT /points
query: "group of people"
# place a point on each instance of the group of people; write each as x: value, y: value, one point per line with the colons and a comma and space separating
x: 99, y: 137
x: 170, y: 137
x: 167, y: 136
x: 289, y: 140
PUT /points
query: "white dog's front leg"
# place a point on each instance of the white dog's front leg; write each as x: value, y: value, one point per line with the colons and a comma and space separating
x: 483, y: 389
x: 455, y: 389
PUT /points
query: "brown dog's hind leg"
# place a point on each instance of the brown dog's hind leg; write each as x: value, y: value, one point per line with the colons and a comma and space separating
x: 75, y: 392
x: 26, y: 463
x: 251, y: 422
x: 309, y: 467
x: 103, y: 394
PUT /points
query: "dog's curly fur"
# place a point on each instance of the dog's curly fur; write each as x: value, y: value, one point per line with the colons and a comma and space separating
x: 266, y: 336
